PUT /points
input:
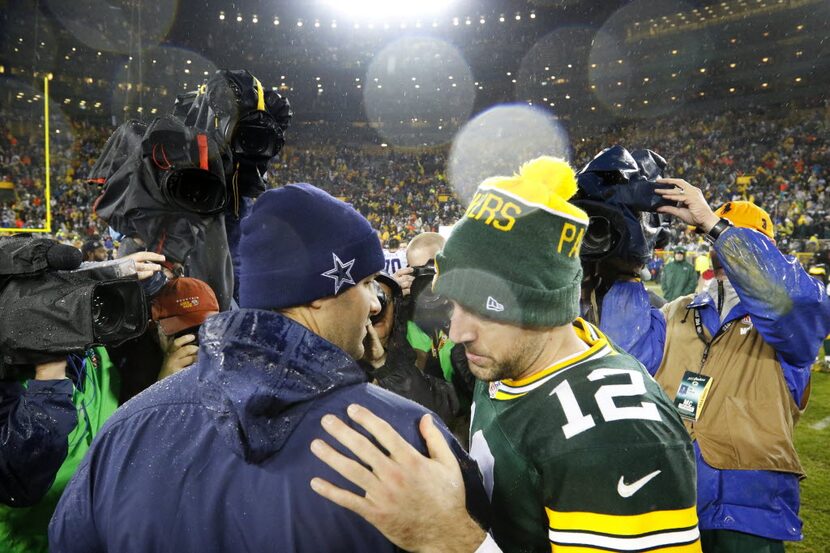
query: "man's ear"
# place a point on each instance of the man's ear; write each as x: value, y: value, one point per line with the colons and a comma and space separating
x: 321, y: 303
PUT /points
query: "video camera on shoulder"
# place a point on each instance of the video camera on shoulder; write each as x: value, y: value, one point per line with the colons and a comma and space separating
x: 617, y: 191
x: 53, y: 305
x: 243, y: 115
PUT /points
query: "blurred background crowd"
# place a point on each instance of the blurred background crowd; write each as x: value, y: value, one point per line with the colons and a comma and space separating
x: 778, y: 160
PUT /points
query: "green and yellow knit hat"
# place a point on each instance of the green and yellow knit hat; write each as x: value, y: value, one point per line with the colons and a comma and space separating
x: 514, y: 256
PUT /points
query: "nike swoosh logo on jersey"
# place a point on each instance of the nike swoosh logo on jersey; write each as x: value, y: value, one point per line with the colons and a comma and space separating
x: 627, y: 490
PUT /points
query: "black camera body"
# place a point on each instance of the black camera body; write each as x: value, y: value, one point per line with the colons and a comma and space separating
x: 163, y: 183
x: 49, y: 313
x: 250, y: 120
x: 428, y: 310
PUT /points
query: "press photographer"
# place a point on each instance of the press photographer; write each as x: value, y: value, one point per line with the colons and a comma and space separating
x: 57, y: 387
x: 426, y: 320
x: 391, y: 363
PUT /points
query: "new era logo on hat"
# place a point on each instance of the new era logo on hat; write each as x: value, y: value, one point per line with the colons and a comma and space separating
x: 493, y: 305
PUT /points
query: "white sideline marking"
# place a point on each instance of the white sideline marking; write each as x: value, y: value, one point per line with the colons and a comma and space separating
x: 822, y: 424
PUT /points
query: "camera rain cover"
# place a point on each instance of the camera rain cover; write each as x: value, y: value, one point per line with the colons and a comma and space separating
x: 245, y: 117
x: 617, y: 187
x: 163, y: 187
x: 235, y: 105
x: 60, y: 312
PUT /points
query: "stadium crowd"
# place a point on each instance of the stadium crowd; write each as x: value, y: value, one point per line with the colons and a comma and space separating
x: 782, y: 162
x: 508, y: 327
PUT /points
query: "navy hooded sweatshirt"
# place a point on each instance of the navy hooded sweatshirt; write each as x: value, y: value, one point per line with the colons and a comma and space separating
x: 216, y: 458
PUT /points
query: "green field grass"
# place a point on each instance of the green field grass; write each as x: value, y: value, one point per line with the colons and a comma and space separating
x: 813, y: 447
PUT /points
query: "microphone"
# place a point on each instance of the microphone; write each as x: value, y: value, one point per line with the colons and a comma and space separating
x: 63, y: 258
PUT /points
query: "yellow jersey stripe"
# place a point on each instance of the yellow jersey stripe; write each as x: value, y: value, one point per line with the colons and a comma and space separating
x: 688, y: 548
x: 501, y: 394
x: 622, y: 525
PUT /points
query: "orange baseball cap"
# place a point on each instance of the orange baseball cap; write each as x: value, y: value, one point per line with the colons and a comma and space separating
x: 747, y: 215
x: 183, y: 303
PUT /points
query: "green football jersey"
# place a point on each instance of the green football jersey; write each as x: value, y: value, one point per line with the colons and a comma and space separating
x: 586, y: 455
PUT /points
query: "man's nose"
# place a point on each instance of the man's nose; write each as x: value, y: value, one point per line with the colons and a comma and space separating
x: 462, y: 327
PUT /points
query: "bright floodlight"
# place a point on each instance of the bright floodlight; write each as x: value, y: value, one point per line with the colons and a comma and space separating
x: 375, y: 9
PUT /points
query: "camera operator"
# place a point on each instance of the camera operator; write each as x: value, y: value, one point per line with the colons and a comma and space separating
x: 51, y: 410
x: 180, y: 309
x: 390, y: 363
x: 170, y: 343
x: 417, y: 254
x: 750, y: 338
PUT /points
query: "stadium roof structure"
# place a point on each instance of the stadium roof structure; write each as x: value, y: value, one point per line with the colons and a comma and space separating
x: 583, y: 60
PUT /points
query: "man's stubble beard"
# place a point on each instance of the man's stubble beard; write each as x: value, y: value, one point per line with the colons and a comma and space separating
x: 526, y: 353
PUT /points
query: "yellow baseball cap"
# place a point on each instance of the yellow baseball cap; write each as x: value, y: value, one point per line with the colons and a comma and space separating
x: 747, y: 215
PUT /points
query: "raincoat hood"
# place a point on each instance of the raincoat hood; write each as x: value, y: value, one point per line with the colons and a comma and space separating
x: 257, y: 371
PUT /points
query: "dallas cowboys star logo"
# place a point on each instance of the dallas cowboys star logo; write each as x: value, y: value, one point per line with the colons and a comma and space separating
x: 341, y: 274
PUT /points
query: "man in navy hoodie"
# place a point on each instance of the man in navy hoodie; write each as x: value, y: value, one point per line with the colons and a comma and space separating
x: 216, y: 458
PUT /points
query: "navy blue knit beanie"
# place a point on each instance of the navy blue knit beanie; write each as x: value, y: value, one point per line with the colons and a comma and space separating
x: 300, y: 244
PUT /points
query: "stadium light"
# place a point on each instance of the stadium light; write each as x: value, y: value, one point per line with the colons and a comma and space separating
x: 389, y: 9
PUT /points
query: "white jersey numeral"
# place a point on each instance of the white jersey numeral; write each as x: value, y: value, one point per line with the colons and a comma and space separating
x: 480, y: 451
x: 579, y: 422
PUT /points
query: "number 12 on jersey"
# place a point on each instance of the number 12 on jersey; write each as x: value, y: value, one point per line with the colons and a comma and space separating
x: 579, y: 422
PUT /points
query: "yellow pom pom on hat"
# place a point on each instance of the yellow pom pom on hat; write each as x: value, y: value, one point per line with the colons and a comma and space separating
x: 514, y: 255
x: 546, y: 182
x: 747, y: 215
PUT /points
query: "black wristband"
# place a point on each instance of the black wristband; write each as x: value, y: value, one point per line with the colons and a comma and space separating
x: 718, y: 228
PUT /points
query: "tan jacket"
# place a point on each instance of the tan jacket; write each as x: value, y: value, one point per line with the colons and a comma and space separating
x: 748, y: 418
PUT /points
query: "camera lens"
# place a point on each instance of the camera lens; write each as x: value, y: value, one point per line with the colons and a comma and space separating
x: 118, y: 311
x: 254, y: 140
x: 384, y: 302
x: 256, y: 136
x: 196, y: 190
x: 107, y: 310
x: 600, y: 238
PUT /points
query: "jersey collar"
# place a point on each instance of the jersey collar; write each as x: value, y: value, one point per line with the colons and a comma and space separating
x: 598, y: 346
